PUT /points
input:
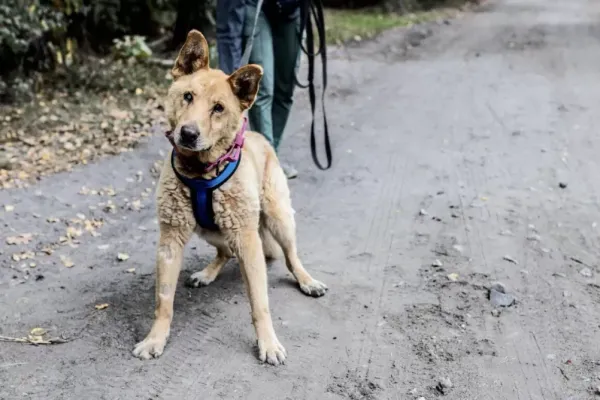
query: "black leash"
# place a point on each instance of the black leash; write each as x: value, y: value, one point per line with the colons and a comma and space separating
x: 311, y: 12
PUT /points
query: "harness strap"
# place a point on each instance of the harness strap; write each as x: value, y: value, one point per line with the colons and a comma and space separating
x: 201, y: 192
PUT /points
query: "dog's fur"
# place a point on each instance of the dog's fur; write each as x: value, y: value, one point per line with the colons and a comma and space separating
x: 253, y: 209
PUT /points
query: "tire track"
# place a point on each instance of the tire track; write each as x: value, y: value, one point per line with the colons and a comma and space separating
x: 170, y: 379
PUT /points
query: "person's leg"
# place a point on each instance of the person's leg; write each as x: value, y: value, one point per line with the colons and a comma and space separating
x: 286, y: 46
x: 259, y: 115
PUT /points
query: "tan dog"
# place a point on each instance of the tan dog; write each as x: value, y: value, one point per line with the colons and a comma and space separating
x: 252, y: 209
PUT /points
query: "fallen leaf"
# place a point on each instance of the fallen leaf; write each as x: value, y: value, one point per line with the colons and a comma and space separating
x: 66, y: 261
x: 135, y: 205
x: 101, y: 306
x: 23, y: 256
x: 510, y: 259
x: 48, y: 250
x: 23, y: 238
x: 123, y: 256
x: 37, y: 332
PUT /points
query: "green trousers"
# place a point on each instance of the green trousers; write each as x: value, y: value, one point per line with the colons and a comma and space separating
x: 276, y: 48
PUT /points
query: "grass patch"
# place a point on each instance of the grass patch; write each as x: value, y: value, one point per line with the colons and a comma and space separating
x: 345, y: 25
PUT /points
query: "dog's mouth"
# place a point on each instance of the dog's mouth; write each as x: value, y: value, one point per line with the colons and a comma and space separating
x: 189, y: 144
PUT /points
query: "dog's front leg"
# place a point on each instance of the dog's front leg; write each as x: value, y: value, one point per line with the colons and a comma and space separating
x: 249, y: 252
x: 168, y: 264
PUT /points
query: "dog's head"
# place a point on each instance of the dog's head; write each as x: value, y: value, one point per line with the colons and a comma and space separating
x: 204, y: 106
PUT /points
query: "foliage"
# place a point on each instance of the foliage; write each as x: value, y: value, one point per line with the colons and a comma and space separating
x: 131, y: 47
x: 29, y: 37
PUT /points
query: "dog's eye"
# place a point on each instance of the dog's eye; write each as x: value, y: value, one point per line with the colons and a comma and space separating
x: 188, y: 97
x: 218, y: 108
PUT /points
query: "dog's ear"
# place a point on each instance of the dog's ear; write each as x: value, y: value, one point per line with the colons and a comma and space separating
x: 244, y: 83
x: 193, y: 56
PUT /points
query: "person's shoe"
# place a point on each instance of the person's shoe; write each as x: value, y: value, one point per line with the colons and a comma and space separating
x: 289, y: 171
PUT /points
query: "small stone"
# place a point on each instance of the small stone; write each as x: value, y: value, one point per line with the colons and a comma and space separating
x: 506, y: 232
x: 437, y: 264
x: 498, y: 286
x: 458, y: 248
x: 122, y: 256
x: 423, y: 212
x: 562, y: 185
x: 597, y: 390
x: 453, y: 277
x: 500, y: 299
x: 586, y: 272
x: 496, y: 313
x: 444, y: 385
x: 534, y: 237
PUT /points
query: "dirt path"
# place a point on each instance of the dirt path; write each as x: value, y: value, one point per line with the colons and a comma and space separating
x: 479, y: 128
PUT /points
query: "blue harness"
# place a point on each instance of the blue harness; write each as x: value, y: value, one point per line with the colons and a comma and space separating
x: 201, y: 192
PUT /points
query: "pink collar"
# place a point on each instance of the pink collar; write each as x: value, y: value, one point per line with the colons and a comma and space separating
x: 233, y: 154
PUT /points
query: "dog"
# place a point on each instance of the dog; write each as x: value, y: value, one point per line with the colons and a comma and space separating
x: 252, y: 216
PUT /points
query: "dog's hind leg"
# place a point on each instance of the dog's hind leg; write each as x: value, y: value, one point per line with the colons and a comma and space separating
x: 212, y: 270
x: 271, y: 248
x: 279, y: 219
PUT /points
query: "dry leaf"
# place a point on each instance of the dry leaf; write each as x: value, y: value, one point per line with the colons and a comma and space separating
x: 48, y: 250
x: 66, y: 261
x: 37, y: 332
x: 123, y: 256
x: 23, y: 256
x: 23, y: 238
x: 135, y: 205
x: 101, y: 306
x: 73, y: 232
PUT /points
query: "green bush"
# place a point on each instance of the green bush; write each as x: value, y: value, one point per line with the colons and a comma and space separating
x: 29, y: 37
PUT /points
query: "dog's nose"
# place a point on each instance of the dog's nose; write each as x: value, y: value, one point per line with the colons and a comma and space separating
x: 189, y: 133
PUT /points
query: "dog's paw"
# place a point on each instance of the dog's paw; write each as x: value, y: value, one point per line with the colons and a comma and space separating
x: 314, y: 288
x: 149, y: 348
x: 200, y: 278
x: 271, y: 351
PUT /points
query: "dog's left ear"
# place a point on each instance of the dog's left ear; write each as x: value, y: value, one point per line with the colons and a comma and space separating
x: 244, y: 83
x: 193, y: 56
